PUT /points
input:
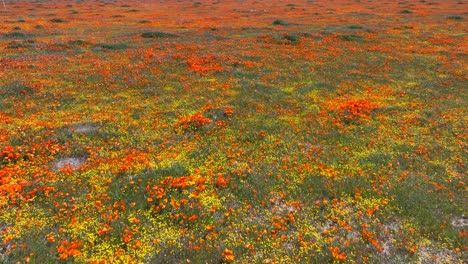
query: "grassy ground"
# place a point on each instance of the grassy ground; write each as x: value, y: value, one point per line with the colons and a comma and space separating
x: 233, y: 131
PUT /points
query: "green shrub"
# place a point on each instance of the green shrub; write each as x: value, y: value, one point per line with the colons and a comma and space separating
x: 354, y: 27
x: 280, y: 22
x: 291, y: 38
x: 350, y: 38
x: 16, y: 45
x: 14, y: 35
x: 78, y: 42
x: 113, y: 46
x: 16, y: 89
x: 455, y: 17
x: 158, y: 34
x: 57, y: 20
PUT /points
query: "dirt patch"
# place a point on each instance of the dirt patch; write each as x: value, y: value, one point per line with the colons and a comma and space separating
x: 4, y: 249
x: 69, y: 162
x: 460, y: 222
x: 84, y: 128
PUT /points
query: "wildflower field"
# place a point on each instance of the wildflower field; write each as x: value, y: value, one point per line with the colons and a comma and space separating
x: 233, y: 131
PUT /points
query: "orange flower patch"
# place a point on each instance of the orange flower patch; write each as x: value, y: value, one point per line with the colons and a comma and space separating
x: 228, y: 255
x: 69, y: 249
x: 229, y: 111
x: 4, y: 118
x: 356, y: 109
x: 352, y: 111
x: 337, y: 254
x: 204, y: 64
x: 133, y: 160
x: 9, y: 154
x: 192, y: 122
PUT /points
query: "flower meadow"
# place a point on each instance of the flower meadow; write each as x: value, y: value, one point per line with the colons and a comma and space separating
x: 233, y: 131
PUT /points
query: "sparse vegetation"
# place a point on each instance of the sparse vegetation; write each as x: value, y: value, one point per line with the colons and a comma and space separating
x: 221, y: 134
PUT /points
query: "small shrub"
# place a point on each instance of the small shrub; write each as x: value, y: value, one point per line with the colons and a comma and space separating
x: 113, y: 46
x: 16, y: 89
x: 291, y: 38
x: 16, y: 45
x: 158, y: 34
x: 15, y: 35
x: 455, y: 17
x: 354, y: 27
x: 350, y: 38
x: 280, y: 22
x: 406, y: 11
x: 78, y: 42
x: 57, y: 20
